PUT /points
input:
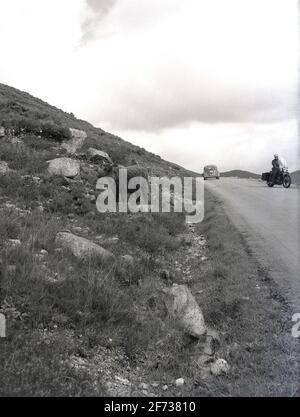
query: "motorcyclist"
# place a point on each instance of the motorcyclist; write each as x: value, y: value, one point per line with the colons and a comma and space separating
x: 275, y: 168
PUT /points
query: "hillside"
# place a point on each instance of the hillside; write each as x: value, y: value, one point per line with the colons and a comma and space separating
x: 296, y: 177
x: 81, y: 291
x: 116, y: 304
x: 19, y: 110
x: 240, y: 174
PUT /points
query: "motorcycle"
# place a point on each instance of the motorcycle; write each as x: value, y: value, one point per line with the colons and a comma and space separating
x: 283, y: 178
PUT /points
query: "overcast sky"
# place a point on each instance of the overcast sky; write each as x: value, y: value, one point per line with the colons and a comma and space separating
x: 196, y: 81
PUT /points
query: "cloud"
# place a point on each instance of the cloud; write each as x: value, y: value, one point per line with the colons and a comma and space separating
x: 95, y: 12
x: 170, y: 65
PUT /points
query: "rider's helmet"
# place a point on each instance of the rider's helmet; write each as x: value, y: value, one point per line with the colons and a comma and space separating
x: 276, y: 156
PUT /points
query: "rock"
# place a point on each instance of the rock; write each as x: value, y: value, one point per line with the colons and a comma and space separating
x: 82, y: 248
x: 2, y: 131
x: 77, y: 229
x: 128, y: 260
x: 144, y: 386
x: 155, y: 385
x: 214, y: 335
x: 209, y: 346
x: 3, y: 168
x: 78, y: 138
x: 14, y: 242
x: 165, y: 388
x: 179, y: 382
x: 61, y: 319
x: 123, y: 381
x: 96, y: 155
x: 183, y: 307
x: 219, y: 367
x: 16, y: 141
x: 203, y: 360
x: 11, y: 269
x: 108, y: 241
x: 65, y: 167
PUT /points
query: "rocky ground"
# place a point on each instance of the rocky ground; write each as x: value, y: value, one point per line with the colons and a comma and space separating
x: 127, y: 305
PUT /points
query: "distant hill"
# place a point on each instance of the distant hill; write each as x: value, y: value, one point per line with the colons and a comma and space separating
x: 240, y: 174
x: 296, y: 177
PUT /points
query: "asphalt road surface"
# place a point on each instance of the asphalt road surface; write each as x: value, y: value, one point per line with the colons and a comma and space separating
x: 269, y: 220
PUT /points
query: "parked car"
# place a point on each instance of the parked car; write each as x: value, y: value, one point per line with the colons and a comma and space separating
x: 211, y: 171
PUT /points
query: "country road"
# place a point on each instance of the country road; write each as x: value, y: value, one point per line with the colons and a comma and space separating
x: 269, y: 220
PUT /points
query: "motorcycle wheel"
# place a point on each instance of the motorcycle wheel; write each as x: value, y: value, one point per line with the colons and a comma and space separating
x: 287, y: 181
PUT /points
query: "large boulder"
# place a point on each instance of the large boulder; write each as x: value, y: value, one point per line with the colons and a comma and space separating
x: 66, y: 167
x: 96, y: 155
x: 3, y: 167
x: 77, y: 140
x: 82, y: 248
x: 183, y: 307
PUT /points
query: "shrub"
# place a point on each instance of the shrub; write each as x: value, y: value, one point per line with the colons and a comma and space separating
x: 21, y: 158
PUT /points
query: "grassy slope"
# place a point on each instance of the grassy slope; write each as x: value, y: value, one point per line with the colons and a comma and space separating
x: 121, y: 151
x: 60, y: 310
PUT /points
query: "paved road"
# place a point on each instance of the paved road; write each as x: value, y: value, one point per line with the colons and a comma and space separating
x: 269, y: 220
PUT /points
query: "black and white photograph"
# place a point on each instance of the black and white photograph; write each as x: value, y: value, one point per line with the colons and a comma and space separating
x: 149, y: 201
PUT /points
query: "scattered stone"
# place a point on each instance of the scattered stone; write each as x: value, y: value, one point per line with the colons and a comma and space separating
x: 144, y: 386
x: 44, y: 252
x: 82, y: 248
x: 219, y: 367
x: 11, y: 269
x: 214, y: 335
x: 165, y: 388
x: 78, y: 138
x: 182, y: 306
x: 203, y: 360
x: 179, y: 382
x: 77, y: 229
x: 128, y: 260
x: 16, y: 141
x: 71, y: 216
x: 155, y: 385
x: 2, y: 131
x: 61, y: 319
x: 14, y: 242
x: 96, y: 155
x: 123, y: 381
x: 209, y: 346
x: 65, y: 167
x: 4, y: 168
